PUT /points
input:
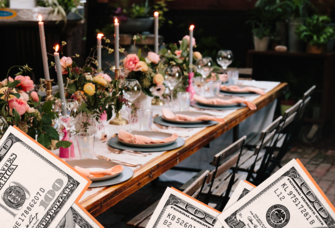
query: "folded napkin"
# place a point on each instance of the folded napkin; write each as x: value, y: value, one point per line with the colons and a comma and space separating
x: 91, y: 174
x: 140, y: 139
x: 170, y: 116
x: 218, y: 101
x: 244, y: 89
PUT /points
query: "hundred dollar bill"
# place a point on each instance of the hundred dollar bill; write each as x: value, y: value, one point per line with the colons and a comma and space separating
x: 36, y: 188
x: 290, y: 198
x: 176, y: 209
x: 243, y: 188
x: 77, y: 217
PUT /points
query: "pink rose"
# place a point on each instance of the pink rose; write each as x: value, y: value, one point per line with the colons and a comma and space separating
x: 153, y: 57
x: 26, y: 83
x: 130, y: 62
x: 34, y: 96
x: 23, y: 95
x: 188, y: 39
x: 105, y: 76
x: 65, y: 62
x: 4, y: 82
x: 19, y: 104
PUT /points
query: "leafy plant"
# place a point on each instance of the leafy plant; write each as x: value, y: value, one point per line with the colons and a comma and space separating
x: 316, y: 31
x: 60, y: 7
x: 296, y: 8
x: 262, y: 22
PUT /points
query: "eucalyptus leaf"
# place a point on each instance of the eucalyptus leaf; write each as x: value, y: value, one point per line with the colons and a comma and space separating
x: 184, y: 44
x: 51, y: 132
x: 17, y: 116
x: 64, y: 144
x: 47, y: 107
x: 44, y: 140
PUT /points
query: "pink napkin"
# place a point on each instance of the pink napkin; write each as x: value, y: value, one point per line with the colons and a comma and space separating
x: 244, y: 89
x: 91, y: 174
x: 170, y: 116
x: 218, y: 101
x: 140, y: 139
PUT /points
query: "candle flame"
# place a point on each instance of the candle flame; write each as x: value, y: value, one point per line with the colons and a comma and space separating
x: 100, y: 35
x: 40, y: 18
x: 191, y: 27
x: 156, y: 14
x: 56, y: 48
x: 116, y: 21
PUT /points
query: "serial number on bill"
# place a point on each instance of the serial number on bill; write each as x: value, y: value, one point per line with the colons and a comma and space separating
x: 170, y: 218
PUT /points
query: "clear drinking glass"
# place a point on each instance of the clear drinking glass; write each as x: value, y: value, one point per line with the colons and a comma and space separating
x: 131, y: 91
x: 214, y: 87
x: 145, y: 119
x: 172, y: 77
x: 85, y: 142
x: 233, y: 77
x: 204, y: 67
x: 224, y: 59
x: 184, y: 101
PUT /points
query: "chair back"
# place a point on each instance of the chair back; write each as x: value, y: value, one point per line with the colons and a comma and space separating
x: 196, y: 185
x: 308, y: 93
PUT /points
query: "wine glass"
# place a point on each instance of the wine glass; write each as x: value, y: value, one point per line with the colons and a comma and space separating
x: 172, y: 77
x: 224, y: 59
x: 69, y: 118
x: 204, y: 67
x: 131, y: 91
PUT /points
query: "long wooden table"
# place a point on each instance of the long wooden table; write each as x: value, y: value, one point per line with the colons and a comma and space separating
x: 102, y: 200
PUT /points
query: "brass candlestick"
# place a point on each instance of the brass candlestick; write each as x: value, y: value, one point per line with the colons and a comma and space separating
x: 117, y: 74
x: 157, y: 101
x: 118, y: 120
x: 48, y: 85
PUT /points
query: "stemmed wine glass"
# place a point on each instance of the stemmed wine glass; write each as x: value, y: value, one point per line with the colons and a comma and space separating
x: 131, y: 91
x: 67, y: 119
x: 172, y: 77
x: 224, y: 59
x: 204, y: 67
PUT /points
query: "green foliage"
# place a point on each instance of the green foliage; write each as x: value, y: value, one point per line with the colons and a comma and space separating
x: 316, y: 31
x: 296, y: 8
x: 64, y: 144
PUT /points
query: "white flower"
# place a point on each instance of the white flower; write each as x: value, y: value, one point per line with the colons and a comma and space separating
x: 88, y: 77
x: 30, y: 110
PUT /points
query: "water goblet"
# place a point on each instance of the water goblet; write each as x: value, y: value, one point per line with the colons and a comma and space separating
x: 172, y: 77
x: 224, y: 59
x: 205, y: 67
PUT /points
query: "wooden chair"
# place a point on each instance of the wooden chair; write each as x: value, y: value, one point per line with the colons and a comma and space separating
x: 253, y: 157
x: 142, y: 219
x: 283, y: 138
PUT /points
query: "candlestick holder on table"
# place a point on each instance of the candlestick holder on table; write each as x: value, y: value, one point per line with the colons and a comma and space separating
x: 48, y: 85
x: 157, y: 101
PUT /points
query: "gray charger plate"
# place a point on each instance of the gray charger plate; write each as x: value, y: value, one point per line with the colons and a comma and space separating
x: 198, y: 105
x: 159, y: 120
x: 188, y: 113
x: 233, y: 92
x: 114, y: 142
x: 150, y: 134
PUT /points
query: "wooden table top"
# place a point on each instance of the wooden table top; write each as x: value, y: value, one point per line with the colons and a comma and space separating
x: 107, y: 197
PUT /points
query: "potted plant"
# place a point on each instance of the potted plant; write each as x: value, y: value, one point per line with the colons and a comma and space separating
x: 262, y: 22
x: 297, y: 11
x: 317, y: 33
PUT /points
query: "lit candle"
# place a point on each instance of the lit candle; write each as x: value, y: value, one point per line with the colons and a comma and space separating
x: 43, y: 48
x: 116, y: 43
x: 100, y: 35
x: 191, y: 49
x: 60, y: 80
x: 156, y: 14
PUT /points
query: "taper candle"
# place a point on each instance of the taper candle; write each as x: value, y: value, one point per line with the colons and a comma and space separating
x: 191, y: 49
x: 60, y: 80
x: 156, y: 14
x: 116, y: 43
x: 43, y: 48
x: 100, y: 35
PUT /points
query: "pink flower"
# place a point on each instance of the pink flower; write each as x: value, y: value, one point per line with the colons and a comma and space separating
x: 178, y: 53
x: 19, y: 104
x: 159, y: 90
x: 153, y: 57
x: 65, y: 62
x: 23, y: 95
x: 26, y: 83
x: 103, y: 116
x: 105, y: 76
x: 34, y: 96
x: 4, y: 82
x: 188, y: 39
x: 130, y: 62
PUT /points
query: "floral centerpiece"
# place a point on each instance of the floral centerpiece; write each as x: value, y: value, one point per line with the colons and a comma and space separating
x: 21, y: 106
